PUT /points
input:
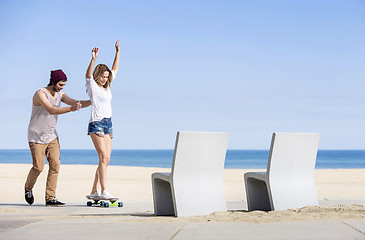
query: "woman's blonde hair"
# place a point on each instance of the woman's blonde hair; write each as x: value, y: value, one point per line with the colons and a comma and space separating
x: 99, y: 70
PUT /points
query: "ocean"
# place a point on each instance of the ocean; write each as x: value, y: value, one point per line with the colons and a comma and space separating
x: 235, y: 159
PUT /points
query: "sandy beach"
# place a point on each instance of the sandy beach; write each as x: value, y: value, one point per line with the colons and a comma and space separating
x: 133, y: 185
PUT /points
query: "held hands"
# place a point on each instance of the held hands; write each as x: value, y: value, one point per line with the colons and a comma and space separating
x: 94, y: 53
x: 76, y: 106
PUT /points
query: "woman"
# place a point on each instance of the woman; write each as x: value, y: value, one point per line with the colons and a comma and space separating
x: 100, y: 124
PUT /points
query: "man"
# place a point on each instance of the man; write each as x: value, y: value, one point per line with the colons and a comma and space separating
x: 42, y: 134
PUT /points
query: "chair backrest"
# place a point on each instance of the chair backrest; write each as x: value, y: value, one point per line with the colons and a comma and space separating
x: 198, y: 154
x: 292, y: 155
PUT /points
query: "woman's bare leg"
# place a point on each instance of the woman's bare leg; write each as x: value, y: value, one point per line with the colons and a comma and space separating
x: 103, y: 148
x: 96, y: 181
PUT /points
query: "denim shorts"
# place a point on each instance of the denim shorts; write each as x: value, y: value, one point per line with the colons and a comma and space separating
x: 101, y: 127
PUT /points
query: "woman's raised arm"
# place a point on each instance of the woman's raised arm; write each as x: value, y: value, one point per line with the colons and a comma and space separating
x: 94, y: 56
x: 116, y: 59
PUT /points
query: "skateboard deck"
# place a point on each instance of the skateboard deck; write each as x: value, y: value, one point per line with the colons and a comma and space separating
x: 104, y: 202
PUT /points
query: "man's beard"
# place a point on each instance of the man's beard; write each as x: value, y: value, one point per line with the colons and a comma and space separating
x: 55, y: 89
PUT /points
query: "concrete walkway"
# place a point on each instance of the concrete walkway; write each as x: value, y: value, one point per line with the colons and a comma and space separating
x: 136, y: 221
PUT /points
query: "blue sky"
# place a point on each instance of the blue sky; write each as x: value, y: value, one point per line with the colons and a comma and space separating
x: 247, y: 67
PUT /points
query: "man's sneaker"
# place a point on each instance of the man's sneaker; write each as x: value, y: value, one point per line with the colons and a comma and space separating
x: 55, y: 203
x: 95, y: 195
x: 106, y: 195
x: 29, y: 197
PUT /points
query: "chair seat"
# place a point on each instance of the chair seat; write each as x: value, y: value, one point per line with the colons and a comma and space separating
x: 258, y: 175
x: 162, y: 175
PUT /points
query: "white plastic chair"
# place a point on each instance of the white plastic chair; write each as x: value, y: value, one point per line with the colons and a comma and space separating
x: 195, y: 185
x: 288, y: 182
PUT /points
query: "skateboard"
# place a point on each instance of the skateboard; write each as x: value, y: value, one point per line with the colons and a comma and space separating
x: 104, y: 202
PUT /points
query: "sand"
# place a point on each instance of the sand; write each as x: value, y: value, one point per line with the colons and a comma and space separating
x: 133, y: 185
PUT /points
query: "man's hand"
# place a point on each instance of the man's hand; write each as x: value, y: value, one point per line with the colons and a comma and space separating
x: 94, y: 53
x: 76, y: 106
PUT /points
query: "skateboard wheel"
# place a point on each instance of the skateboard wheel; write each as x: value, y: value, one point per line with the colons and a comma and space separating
x: 102, y: 203
x: 120, y: 204
x: 105, y: 204
x: 89, y: 203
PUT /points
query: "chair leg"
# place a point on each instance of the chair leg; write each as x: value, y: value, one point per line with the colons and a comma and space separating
x: 257, y: 195
x: 162, y: 198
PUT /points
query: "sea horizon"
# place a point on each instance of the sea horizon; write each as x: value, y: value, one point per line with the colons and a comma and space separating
x: 235, y: 158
